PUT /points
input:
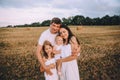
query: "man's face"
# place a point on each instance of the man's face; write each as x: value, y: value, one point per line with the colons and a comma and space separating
x: 54, y: 28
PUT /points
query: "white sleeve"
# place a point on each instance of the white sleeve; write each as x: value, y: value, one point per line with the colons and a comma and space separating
x: 41, y: 39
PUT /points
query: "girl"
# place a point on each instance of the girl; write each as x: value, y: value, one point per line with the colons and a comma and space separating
x: 49, y: 60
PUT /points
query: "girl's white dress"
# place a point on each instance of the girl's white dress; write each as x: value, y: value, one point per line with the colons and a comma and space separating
x: 69, y: 69
x: 54, y: 71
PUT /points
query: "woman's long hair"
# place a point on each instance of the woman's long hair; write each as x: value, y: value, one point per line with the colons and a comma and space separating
x: 70, y: 34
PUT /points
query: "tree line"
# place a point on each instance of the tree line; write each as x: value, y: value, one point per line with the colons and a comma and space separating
x: 79, y: 20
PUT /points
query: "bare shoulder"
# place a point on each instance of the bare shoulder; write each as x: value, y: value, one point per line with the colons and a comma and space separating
x: 73, y: 40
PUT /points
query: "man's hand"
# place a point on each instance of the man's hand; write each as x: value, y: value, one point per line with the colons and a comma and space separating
x: 47, y: 70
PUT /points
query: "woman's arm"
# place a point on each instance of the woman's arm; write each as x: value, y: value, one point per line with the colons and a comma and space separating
x: 75, y: 47
x: 69, y: 58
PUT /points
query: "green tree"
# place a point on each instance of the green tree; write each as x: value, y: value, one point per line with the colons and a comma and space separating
x: 78, y: 20
x: 105, y: 20
x: 115, y: 20
x: 96, y: 21
x: 65, y: 21
x: 35, y: 24
x: 88, y: 21
x: 45, y: 23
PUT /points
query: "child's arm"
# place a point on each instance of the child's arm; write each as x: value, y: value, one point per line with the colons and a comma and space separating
x: 51, y: 66
x: 58, y: 66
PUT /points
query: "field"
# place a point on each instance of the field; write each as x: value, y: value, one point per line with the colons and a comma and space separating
x: 99, y: 59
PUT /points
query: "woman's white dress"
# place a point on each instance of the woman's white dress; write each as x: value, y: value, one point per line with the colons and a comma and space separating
x: 69, y: 69
x: 54, y: 71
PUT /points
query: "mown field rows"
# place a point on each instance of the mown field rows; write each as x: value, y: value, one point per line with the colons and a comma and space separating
x: 99, y: 59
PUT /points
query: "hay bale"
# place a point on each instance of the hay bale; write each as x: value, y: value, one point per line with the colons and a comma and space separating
x: 28, y: 29
x: 79, y: 28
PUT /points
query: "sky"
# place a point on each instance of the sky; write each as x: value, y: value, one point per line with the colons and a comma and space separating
x: 19, y: 12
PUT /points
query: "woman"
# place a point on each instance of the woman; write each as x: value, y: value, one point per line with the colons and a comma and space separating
x: 70, y: 51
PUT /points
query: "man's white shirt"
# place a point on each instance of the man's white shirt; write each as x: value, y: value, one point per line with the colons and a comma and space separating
x: 47, y: 35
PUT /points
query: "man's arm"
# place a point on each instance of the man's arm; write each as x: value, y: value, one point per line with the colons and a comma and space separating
x: 40, y: 59
x: 39, y: 56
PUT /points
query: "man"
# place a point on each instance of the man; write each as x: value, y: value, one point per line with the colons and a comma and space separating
x: 49, y: 35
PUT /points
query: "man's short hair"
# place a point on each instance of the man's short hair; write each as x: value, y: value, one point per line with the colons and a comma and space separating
x: 56, y: 20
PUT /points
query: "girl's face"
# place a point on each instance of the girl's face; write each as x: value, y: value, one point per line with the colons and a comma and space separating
x: 59, y: 40
x: 48, y: 49
x: 63, y: 33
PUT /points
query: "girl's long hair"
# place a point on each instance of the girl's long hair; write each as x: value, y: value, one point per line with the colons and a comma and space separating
x: 44, y: 52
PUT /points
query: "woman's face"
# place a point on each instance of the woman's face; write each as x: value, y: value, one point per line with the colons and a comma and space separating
x: 63, y: 33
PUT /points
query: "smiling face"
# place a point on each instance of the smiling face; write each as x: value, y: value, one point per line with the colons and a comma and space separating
x: 54, y: 28
x: 59, y: 40
x: 48, y: 49
x: 64, y: 33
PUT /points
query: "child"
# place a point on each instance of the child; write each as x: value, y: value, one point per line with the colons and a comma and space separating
x: 57, y: 50
x: 49, y: 60
x: 58, y: 46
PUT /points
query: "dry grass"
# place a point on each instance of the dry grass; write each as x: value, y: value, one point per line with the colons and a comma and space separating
x: 99, y: 59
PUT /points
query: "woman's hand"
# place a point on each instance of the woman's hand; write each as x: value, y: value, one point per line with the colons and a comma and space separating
x: 76, y: 50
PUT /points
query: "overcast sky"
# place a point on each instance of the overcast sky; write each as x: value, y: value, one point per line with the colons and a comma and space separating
x: 13, y: 12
